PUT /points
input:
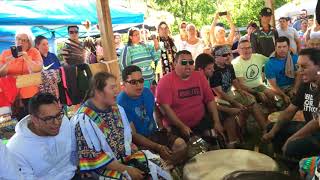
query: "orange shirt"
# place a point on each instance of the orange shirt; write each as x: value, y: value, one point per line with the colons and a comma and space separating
x: 20, y: 67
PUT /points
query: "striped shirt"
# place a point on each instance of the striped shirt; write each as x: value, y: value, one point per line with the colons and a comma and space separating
x: 141, y: 55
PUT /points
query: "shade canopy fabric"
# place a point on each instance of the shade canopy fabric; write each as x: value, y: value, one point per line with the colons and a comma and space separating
x: 51, y: 18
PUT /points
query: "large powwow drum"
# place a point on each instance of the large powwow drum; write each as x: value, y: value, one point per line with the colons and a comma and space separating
x: 215, y: 165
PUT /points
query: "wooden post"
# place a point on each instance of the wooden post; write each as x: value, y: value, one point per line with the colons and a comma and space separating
x: 270, y: 4
x: 105, y: 26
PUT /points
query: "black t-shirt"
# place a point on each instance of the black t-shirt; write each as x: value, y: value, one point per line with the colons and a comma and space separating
x: 307, y: 100
x: 223, y: 77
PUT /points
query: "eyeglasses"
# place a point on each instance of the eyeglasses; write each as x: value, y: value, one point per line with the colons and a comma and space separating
x: 73, y: 32
x: 22, y: 40
x: 136, y: 81
x: 246, y: 48
x: 59, y: 117
x: 184, y: 62
x: 225, y: 55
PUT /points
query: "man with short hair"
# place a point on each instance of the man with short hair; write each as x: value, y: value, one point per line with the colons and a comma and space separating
x: 43, y: 143
x: 281, y: 70
x: 187, y: 100
x: 50, y: 60
x: 290, y: 33
x: 263, y: 39
x: 251, y: 28
x: 298, y: 21
x: 139, y: 105
x: 227, y: 115
x: 248, y: 69
x: 301, y: 138
x: 73, y: 51
x: 224, y: 78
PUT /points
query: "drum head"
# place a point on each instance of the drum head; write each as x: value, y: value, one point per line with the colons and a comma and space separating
x: 214, y: 165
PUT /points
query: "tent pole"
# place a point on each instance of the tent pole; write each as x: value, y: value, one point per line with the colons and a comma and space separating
x: 105, y: 26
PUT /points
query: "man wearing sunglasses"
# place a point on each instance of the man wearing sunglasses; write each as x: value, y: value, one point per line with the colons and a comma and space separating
x: 42, y: 145
x: 187, y: 100
x: 139, y: 105
x: 222, y: 81
x: 73, y: 51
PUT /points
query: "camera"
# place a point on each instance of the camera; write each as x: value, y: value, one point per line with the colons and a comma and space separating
x: 152, y: 37
x: 223, y: 13
x: 15, y: 51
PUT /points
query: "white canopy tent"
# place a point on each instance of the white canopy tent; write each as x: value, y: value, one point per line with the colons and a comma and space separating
x: 293, y: 9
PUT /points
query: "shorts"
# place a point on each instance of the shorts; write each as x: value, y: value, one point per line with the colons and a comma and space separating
x: 241, y: 98
x: 163, y: 137
x: 260, y: 88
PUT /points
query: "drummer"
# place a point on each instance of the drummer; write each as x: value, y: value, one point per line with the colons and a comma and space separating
x: 300, y: 139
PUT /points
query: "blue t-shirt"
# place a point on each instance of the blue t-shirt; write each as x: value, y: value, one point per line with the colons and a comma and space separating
x: 275, y: 69
x: 51, y: 61
x: 139, y: 111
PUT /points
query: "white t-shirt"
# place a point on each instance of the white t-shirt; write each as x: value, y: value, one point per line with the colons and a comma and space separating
x: 195, y: 49
x: 291, y: 34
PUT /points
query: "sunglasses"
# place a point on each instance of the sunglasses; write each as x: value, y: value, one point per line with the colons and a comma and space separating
x: 73, y: 32
x: 136, y: 81
x: 225, y: 55
x: 184, y: 62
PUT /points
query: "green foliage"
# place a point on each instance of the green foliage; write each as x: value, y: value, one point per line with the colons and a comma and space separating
x: 201, y: 12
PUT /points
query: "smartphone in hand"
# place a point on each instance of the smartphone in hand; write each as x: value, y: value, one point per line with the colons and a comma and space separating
x: 223, y: 13
x: 16, y: 51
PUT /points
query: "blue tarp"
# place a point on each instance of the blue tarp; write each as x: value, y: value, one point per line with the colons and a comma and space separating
x: 53, y: 16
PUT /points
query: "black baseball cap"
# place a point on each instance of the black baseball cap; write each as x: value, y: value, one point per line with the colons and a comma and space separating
x: 266, y: 12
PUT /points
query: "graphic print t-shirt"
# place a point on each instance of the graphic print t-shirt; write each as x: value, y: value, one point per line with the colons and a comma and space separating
x: 187, y: 97
x: 223, y: 77
x: 307, y: 99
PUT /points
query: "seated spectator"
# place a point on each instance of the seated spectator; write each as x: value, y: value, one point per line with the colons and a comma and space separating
x: 313, y: 43
x: 50, y: 60
x: 280, y: 71
x: 300, y: 139
x: 248, y: 70
x: 9, y: 169
x: 291, y: 33
x: 28, y: 61
x: 100, y: 118
x: 187, y: 100
x: 42, y: 145
x: 181, y: 38
x: 139, y: 105
x: 222, y: 81
x: 218, y: 33
x: 140, y: 54
x: 227, y: 115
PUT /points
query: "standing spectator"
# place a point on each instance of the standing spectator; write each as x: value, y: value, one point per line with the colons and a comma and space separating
x: 118, y: 43
x: 280, y: 71
x: 290, y: 33
x: 251, y: 28
x: 303, y: 29
x: 314, y: 31
x: 187, y: 100
x: 303, y: 16
x: 182, y: 36
x: 141, y: 55
x: 168, y: 50
x: 263, y: 40
x: 218, y: 33
x: 205, y: 36
x: 29, y: 61
x: 50, y: 60
x: 235, y: 43
x: 73, y: 51
x: 193, y: 43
